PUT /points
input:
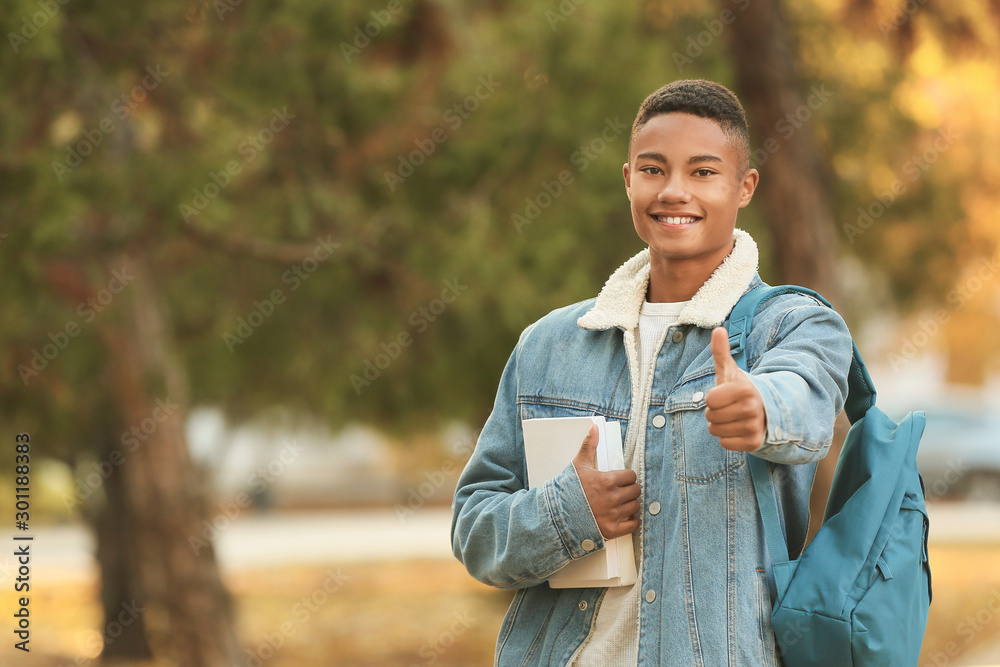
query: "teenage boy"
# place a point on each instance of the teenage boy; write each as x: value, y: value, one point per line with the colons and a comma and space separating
x: 649, y: 352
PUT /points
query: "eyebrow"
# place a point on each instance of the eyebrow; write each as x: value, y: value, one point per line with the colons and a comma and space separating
x: 660, y: 157
x: 704, y: 158
x: 652, y: 155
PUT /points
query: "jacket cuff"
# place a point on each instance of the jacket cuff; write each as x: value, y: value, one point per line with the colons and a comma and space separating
x: 784, y: 430
x: 571, y: 515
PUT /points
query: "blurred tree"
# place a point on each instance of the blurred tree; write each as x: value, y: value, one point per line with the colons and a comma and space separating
x: 353, y: 210
x: 795, y: 187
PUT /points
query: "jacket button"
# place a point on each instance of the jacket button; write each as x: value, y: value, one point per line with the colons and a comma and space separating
x: 659, y: 421
x: 650, y: 595
x: 697, y: 396
x: 678, y: 336
x: 654, y: 508
x: 583, y: 605
x: 588, y: 545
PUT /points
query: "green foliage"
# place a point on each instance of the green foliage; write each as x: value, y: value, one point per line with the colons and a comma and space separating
x: 355, y: 118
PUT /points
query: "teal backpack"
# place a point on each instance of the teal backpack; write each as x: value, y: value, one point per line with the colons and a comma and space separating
x: 859, y: 592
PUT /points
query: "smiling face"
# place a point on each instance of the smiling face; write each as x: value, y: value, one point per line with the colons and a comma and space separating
x: 686, y: 182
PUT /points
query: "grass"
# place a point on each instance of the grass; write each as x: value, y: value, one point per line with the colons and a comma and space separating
x: 422, y: 613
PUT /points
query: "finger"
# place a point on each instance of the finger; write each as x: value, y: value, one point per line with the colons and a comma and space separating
x: 623, y: 495
x: 625, y: 477
x: 736, y: 429
x: 625, y: 527
x: 587, y: 456
x: 734, y: 412
x: 620, y: 529
x: 630, y: 509
x: 724, y: 395
x: 630, y: 492
x: 726, y: 368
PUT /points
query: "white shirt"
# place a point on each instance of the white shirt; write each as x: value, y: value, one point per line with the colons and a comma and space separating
x: 614, y: 641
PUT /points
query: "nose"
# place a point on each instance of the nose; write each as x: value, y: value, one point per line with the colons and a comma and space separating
x: 674, y: 190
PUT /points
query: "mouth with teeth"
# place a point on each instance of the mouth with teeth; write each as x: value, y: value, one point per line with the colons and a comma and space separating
x: 675, y: 221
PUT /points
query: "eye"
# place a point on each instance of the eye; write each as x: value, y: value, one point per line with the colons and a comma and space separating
x: 651, y: 170
x: 703, y: 172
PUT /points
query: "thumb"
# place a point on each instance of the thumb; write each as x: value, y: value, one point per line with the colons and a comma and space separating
x: 725, y: 366
x: 587, y: 456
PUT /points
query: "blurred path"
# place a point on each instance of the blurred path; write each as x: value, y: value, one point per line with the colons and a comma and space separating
x: 964, y: 522
x: 265, y: 540
x: 268, y: 540
x: 364, y: 535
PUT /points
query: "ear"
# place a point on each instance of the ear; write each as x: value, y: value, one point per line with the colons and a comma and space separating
x: 748, y: 186
x: 627, y: 174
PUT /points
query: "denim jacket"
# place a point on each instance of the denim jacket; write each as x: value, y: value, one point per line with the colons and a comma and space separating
x: 699, y: 548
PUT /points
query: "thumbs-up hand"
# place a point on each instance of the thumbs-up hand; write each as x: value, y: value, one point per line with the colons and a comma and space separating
x: 734, y: 408
x: 613, y: 495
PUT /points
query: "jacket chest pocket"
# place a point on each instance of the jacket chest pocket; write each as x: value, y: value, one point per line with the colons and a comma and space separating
x: 698, y: 456
x: 537, y: 408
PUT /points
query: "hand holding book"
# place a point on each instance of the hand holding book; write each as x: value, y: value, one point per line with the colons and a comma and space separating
x: 613, y: 494
x: 550, y: 446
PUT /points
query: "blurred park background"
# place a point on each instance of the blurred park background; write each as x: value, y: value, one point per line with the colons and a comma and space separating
x: 263, y: 263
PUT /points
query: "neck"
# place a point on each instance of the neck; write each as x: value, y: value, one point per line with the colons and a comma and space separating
x: 672, y: 280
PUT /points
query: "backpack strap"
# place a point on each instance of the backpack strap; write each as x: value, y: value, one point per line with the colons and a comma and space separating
x: 861, y: 396
x: 860, y: 389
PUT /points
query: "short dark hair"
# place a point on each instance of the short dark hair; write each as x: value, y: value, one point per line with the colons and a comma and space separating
x: 699, y: 97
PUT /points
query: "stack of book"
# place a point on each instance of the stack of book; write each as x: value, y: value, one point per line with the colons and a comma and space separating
x: 550, y: 444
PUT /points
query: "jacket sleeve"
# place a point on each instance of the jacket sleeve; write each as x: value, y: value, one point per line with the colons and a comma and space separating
x: 505, y: 534
x: 802, y: 377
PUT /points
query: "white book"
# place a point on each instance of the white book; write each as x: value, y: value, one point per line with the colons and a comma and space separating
x: 550, y: 444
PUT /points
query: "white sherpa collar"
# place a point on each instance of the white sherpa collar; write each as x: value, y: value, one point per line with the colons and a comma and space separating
x: 623, y: 294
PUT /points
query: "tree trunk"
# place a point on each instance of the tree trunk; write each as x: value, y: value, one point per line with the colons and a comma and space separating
x: 188, y: 612
x: 114, y: 526
x: 794, y: 185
